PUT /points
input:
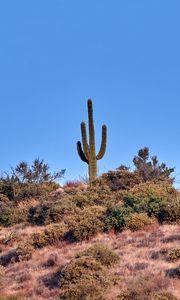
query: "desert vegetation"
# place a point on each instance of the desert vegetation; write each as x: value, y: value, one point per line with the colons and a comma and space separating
x: 115, y: 238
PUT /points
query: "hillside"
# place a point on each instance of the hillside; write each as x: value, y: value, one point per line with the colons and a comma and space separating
x: 144, y: 263
x: 116, y: 239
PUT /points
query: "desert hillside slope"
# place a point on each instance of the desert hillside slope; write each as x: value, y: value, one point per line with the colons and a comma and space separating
x: 144, y: 263
x: 117, y: 238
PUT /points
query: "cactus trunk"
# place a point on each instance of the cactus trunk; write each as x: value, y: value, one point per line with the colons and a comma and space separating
x: 92, y: 169
x: 88, y: 153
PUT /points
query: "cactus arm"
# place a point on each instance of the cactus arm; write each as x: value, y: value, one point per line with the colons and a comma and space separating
x: 103, y: 143
x: 84, y: 140
x: 81, y: 153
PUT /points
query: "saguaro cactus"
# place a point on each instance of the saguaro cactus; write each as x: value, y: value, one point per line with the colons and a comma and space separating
x: 87, y: 153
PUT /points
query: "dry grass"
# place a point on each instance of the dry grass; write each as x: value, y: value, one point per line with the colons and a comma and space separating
x: 142, y: 254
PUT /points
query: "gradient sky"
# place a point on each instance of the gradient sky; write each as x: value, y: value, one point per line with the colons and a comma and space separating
x: 54, y: 55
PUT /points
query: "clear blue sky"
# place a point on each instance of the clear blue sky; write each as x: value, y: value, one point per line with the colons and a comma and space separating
x: 54, y: 55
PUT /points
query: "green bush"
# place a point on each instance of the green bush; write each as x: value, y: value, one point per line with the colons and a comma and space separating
x: 11, y: 215
x: 171, y: 212
x: 35, y: 190
x: 101, y: 194
x: 50, y: 236
x: 137, y: 221
x: 100, y: 253
x: 150, y: 198
x: 116, y: 217
x: 86, y: 222
x: 83, y: 278
x: 9, y: 187
x: 51, y: 212
x: 98, y: 194
x: 8, y: 216
x: 80, y: 199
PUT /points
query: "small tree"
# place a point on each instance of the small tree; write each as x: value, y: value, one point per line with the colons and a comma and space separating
x: 150, y: 168
x: 25, y: 179
x: 37, y: 173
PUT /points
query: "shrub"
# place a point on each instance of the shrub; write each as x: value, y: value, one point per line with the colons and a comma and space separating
x: 116, y: 217
x: 101, y: 194
x: 12, y: 215
x: 100, y: 253
x: 23, y: 252
x: 9, y: 187
x: 38, y: 172
x: 49, y: 212
x: 2, y: 276
x: 171, y: 212
x: 150, y: 198
x: 28, y: 181
x: 36, y: 190
x: 4, y: 201
x: 83, y: 290
x: 134, y: 295
x: 80, y: 199
x: 137, y: 221
x: 128, y: 295
x: 80, y: 276
x: 174, y: 254
x: 40, y: 239
x: 164, y: 296
x: 51, y: 235
x: 8, y: 216
x: 142, y: 288
x: 11, y: 238
x: 86, y: 223
x: 121, y: 179
x: 84, y: 195
x: 150, y: 168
